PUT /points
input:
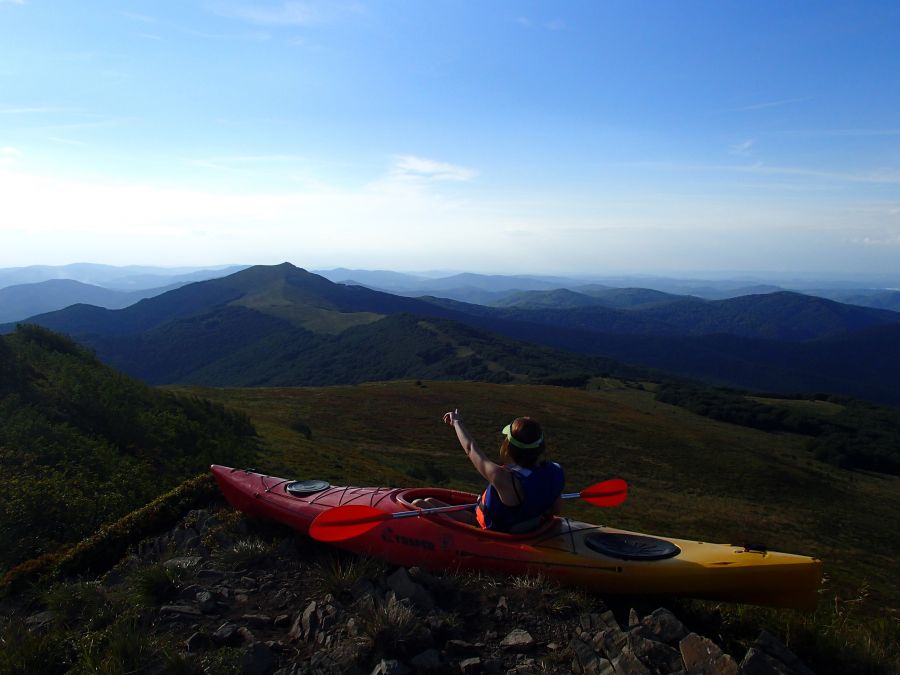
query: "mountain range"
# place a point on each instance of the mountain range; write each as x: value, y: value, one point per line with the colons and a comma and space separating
x: 269, y: 325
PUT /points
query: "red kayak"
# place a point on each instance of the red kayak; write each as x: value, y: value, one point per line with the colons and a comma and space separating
x: 589, y: 556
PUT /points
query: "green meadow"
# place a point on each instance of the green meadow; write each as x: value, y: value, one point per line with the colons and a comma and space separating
x: 689, y: 476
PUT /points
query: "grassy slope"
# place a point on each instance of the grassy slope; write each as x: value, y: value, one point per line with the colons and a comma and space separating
x: 690, y: 476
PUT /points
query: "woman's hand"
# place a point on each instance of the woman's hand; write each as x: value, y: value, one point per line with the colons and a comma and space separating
x: 451, y: 418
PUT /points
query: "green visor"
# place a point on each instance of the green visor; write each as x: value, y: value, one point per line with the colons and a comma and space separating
x: 519, y: 444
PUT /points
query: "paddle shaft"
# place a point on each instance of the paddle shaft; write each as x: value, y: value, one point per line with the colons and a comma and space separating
x: 457, y: 507
x: 352, y: 520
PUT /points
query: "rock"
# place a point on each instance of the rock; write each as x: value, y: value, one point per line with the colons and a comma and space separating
x: 39, y: 620
x: 282, y: 620
x: 246, y: 635
x: 653, y: 653
x: 470, y: 666
x: 759, y: 663
x: 257, y: 619
x: 282, y: 598
x: 196, y: 642
x: 703, y: 657
x: 604, y: 620
x: 459, y: 647
x: 517, y: 640
x: 390, y: 667
x: 430, y: 659
x: 206, y: 601
x: 258, y: 660
x: 587, y: 661
x: 664, y: 626
x: 610, y: 641
x: 633, y: 618
x: 183, y: 562
x: 768, y: 643
x: 225, y: 634
x: 305, y: 624
x: 401, y: 583
x: 626, y: 663
x: 180, y: 611
x: 309, y: 620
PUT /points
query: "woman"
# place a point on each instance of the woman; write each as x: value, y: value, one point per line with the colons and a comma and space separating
x: 522, y: 490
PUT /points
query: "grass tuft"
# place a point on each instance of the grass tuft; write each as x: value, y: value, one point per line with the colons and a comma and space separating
x: 243, y: 554
x: 156, y: 584
x: 80, y: 603
x: 336, y: 573
x: 395, y: 628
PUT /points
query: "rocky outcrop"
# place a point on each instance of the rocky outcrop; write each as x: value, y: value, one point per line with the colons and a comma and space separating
x: 279, y: 604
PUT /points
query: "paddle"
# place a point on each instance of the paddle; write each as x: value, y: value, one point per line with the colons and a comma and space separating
x: 352, y: 520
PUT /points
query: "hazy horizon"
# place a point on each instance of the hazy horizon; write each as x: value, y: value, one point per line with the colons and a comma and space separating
x: 506, y: 138
x: 723, y: 276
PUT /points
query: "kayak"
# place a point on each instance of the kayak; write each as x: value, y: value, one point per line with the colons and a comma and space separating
x: 593, y: 557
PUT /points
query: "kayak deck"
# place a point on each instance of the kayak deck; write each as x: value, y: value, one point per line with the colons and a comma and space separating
x: 563, y: 549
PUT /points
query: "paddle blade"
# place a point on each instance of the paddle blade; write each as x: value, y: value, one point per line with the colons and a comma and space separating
x: 346, y: 522
x: 608, y: 493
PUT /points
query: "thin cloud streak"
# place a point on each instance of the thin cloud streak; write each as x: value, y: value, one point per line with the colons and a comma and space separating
x: 812, y: 133
x: 743, y: 148
x: 763, y: 106
x: 874, y: 176
x: 242, y: 162
x: 284, y: 14
x: 31, y: 110
x: 411, y: 166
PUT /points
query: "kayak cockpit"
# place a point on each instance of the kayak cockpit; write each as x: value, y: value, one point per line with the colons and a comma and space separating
x: 457, y: 498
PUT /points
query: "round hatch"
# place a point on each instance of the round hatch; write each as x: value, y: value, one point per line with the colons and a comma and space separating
x: 631, y: 546
x: 302, y: 488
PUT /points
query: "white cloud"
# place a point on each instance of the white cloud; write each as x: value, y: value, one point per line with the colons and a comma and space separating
x: 407, y: 219
x: 44, y: 217
x: 410, y: 166
x: 743, y: 148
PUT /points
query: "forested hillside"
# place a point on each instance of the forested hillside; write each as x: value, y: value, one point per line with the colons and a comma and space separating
x: 81, y: 444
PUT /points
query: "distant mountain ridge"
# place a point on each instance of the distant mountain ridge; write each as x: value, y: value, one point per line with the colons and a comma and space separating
x: 130, y: 277
x: 25, y: 300
x: 281, y: 324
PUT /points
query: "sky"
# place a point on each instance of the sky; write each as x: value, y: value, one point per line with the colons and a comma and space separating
x: 496, y: 137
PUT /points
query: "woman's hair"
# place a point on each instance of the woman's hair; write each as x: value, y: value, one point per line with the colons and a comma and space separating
x: 527, y: 431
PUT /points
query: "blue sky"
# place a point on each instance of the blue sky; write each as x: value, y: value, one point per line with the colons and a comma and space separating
x: 658, y: 137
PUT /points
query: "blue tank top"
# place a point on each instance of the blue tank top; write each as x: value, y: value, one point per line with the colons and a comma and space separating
x: 538, y: 489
